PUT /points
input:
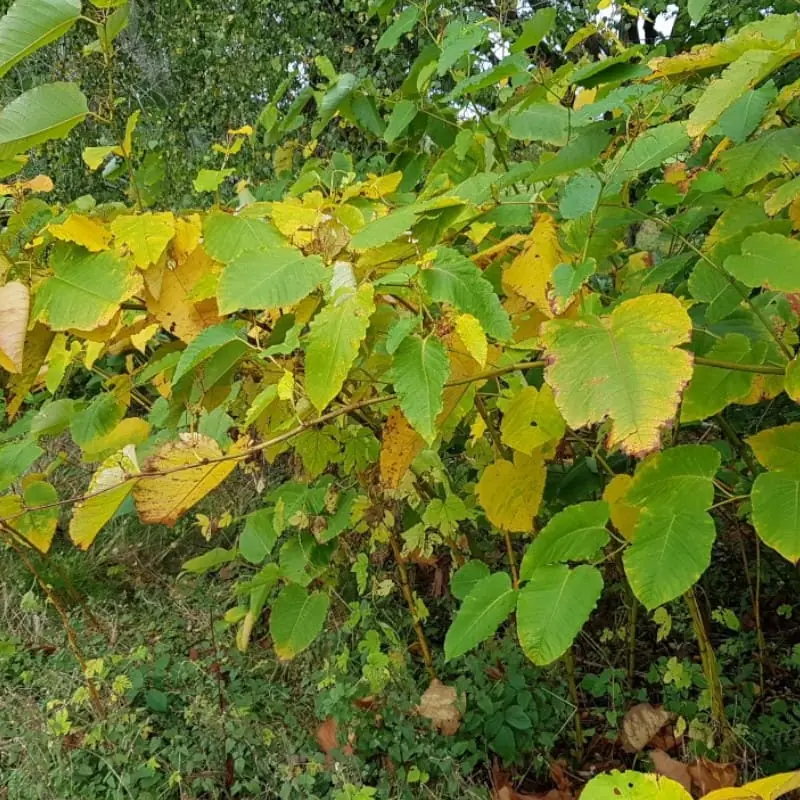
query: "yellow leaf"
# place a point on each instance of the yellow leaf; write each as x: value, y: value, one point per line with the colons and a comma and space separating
x: 129, y: 431
x: 377, y: 187
x: 187, y: 236
x: 37, y: 345
x: 82, y: 230
x: 471, y: 333
x: 511, y: 493
x: 40, y: 184
x: 400, y: 445
x: 245, y: 130
x: 59, y: 357
x: 293, y: 219
x: 94, y: 156
x: 286, y: 386
x: 130, y: 127
x: 139, y: 340
x: 39, y: 527
x: 188, y: 478
x: 478, y: 231
x: 765, y: 789
x: 623, y: 514
x: 14, y: 308
x: 531, y: 420
x: 529, y: 273
x: 108, y: 488
x: 171, y: 306
x: 145, y: 236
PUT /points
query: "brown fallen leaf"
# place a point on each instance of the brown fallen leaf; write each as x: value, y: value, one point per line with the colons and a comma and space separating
x: 327, y: 736
x: 640, y: 724
x: 439, y: 704
x: 710, y: 775
x: 507, y: 793
x: 671, y: 768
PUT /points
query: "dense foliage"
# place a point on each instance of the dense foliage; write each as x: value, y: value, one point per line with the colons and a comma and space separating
x: 506, y: 339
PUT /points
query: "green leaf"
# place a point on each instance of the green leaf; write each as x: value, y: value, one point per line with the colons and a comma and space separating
x: 742, y: 118
x: 402, y: 116
x: 85, y: 289
x: 334, y: 340
x: 778, y: 448
x: 46, y: 112
x: 296, y: 620
x: 671, y: 549
x: 649, y: 150
x: 258, y: 536
x: 553, y: 607
x: 575, y: 534
x: 267, y: 279
x: 15, y: 460
x: 209, y: 561
x: 209, y: 180
x: 769, y: 260
x: 712, y: 388
x: 507, y: 68
x: 226, y: 236
x: 466, y: 577
x: 581, y: 152
x: 484, y: 609
x: 99, y: 418
x: 776, y: 511
x: 205, y: 345
x: 773, y: 152
x: 709, y: 285
x: 385, y: 229
x: 743, y: 74
x: 31, y: 24
x: 453, y: 278
x: 626, y: 366
x: 404, y: 23
x: 419, y: 370
x: 535, y: 29
x: 679, y: 477
x: 39, y: 527
x: 698, y: 9
x: 580, y: 195
x: 540, y: 122
x: 459, y: 39
x: 333, y: 100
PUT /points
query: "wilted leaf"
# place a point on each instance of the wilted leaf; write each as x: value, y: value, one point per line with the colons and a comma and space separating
x: 440, y: 704
x: 671, y: 768
x: 708, y: 776
x: 14, y: 308
x: 400, y: 445
x: 640, y: 724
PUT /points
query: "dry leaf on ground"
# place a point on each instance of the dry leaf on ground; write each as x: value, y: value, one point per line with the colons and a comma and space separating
x: 710, y: 775
x: 671, y: 768
x: 640, y: 724
x: 439, y: 704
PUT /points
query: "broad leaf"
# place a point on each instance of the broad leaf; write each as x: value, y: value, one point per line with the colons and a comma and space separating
x: 226, y: 236
x: 145, y: 236
x: 466, y: 577
x: 15, y: 460
x: 769, y: 260
x: 14, y: 308
x: 671, y: 549
x: 634, y: 786
x: 649, y: 150
x: 206, y: 345
x: 531, y: 419
x: 553, y: 607
x: 401, y: 117
x: 778, y: 448
x: 258, y: 536
x: 107, y: 490
x: 296, y: 619
x: 419, y: 370
x: 626, y: 366
x: 575, y: 534
x: 31, y: 24
x: 400, y: 445
x: 334, y: 340
x: 46, y: 112
x: 540, y: 122
x: 484, y: 609
x: 268, y: 279
x: 188, y: 478
x: 454, y: 279
x: 512, y: 493
x: 776, y: 511
x: 772, y: 152
x: 37, y: 527
x: 98, y: 419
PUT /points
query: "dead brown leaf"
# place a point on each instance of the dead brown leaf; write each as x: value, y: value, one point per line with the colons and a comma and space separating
x: 671, y: 768
x: 439, y: 704
x: 710, y: 775
x: 640, y: 724
x: 327, y: 736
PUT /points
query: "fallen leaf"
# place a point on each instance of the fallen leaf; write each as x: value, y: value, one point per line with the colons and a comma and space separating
x: 710, y: 775
x: 671, y: 768
x: 327, y: 736
x: 640, y: 724
x: 439, y: 704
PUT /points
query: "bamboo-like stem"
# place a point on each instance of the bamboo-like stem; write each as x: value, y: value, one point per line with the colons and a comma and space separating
x: 409, y: 597
x: 708, y: 660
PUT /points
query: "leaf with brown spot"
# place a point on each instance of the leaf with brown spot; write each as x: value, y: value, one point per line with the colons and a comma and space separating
x: 400, y: 446
x: 14, y: 308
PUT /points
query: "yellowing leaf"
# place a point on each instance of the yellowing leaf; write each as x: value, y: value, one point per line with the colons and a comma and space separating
x: 531, y: 420
x: 82, y: 230
x: 624, y: 515
x: 108, y: 488
x: 37, y: 345
x: 164, y: 498
x: 770, y: 788
x: 626, y: 366
x: 290, y: 218
x: 511, y: 493
x: 471, y: 333
x: 245, y: 130
x: 188, y: 231
x: 145, y: 236
x: 131, y: 430
x: 400, y: 445
x: 39, y: 527
x: 529, y: 273
x: 94, y: 156
x: 14, y: 308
